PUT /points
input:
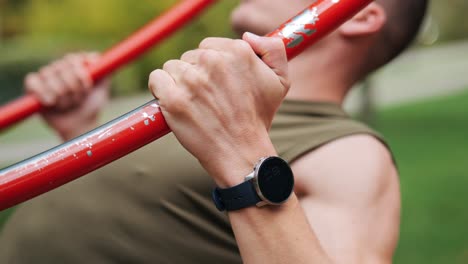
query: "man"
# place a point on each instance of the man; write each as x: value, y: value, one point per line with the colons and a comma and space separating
x: 152, y: 207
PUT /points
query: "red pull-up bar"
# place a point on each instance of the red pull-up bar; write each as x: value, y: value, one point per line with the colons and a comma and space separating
x: 145, y: 124
x: 119, y: 55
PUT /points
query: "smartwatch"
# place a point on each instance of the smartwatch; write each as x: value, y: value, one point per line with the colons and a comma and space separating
x: 270, y: 183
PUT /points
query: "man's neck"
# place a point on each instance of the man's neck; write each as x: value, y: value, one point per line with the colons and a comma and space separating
x: 317, y: 79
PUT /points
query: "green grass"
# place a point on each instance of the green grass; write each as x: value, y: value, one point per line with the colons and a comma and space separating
x: 430, y: 142
x: 4, y: 216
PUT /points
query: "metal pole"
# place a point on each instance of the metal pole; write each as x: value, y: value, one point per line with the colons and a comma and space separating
x: 122, y: 136
x: 121, y: 54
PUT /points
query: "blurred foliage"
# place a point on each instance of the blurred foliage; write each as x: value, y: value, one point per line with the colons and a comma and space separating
x: 32, y: 32
x: 428, y: 139
x: 40, y: 30
x: 450, y: 18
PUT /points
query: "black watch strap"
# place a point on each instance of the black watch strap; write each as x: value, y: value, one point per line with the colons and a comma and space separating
x: 235, y: 198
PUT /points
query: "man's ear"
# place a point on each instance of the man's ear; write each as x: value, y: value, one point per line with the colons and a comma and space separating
x: 367, y: 22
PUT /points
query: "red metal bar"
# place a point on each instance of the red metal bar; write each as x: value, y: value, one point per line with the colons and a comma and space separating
x: 118, y: 138
x: 121, y: 54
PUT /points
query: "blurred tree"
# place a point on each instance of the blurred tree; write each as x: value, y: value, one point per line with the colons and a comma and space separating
x: 50, y: 28
x: 11, y: 15
x: 451, y: 18
x: 57, y: 26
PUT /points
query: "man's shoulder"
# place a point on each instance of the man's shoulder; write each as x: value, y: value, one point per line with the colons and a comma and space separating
x: 316, y: 126
x: 360, y: 148
x: 349, y: 164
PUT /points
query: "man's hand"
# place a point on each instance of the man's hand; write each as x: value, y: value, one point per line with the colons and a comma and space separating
x: 220, y: 100
x: 65, y: 89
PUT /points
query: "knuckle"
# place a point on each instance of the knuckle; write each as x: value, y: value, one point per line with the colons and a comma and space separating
x: 176, y: 102
x: 61, y: 91
x: 187, y: 55
x: 75, y: 59
x: 60, y: 69
x: 210, y: 57
x: 206, y: 42
x: 153, y: 80
x: 70, y: 58
x: 192, y: 78
x: 94, y: 55
x: 278, y: 48
x: 30, y: 80
x: 169, y: 65
x: 242, y: 47
x: 277, y: 43
x: 153, y: 76
x: 46, y: 72
x: 61, y: 65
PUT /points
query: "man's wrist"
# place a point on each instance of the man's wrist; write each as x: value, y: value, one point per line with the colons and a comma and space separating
x: 68, y: 133
x: 232, y: 169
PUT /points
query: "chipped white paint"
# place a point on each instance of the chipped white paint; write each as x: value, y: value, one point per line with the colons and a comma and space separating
x: 106, y: 132
x: 299, y: 22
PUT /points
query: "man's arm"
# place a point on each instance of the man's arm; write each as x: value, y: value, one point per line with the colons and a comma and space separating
x: 349, y: 190
x: 219, y: 101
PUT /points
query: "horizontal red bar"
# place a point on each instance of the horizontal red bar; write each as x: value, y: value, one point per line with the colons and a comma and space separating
x: 118, y: 138
x: 121, y: 54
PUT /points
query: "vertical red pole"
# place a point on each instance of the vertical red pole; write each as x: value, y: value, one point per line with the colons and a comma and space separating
x: 121, y: 54
x: 118, y: 138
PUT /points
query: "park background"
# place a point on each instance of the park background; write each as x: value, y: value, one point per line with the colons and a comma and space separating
x: 419, y: 102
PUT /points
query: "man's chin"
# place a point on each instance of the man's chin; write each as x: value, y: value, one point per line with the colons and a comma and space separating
x: 242, y: 26
x: 242, y: 21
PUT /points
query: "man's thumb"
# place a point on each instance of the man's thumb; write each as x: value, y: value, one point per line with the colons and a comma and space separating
x: 271, y: 51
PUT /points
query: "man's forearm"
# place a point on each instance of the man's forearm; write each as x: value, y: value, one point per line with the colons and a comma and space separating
x: 276, y: 235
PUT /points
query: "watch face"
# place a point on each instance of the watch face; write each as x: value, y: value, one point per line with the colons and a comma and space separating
x: 275, y: 180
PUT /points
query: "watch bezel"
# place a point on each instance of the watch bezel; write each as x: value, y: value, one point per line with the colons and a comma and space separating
x: 255, y: 180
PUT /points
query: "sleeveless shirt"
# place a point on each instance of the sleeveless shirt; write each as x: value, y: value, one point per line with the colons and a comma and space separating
x: 154, y: 206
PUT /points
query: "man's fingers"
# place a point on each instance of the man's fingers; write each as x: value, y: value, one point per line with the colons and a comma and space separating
x: 203, y: 58
x: 62, y: 84
x: 215, y: 43
x: 160, y: 83
x: 91, y: 57
x: 191, y: 56
x: 55, y: 86
x: 34, y: 85
x: 272, y: 53
x: 66, y: 74
x: 78, y: 63
x: 238, y: 46
x: 177, y: 69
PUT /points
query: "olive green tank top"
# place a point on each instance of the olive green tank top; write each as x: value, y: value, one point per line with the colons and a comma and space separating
x: 154, y: 205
